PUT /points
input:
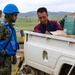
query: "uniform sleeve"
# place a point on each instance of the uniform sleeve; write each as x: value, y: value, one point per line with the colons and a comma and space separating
x: 37, y: 28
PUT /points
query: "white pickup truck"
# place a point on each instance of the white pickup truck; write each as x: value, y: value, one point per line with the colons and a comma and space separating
x: 51, y: 54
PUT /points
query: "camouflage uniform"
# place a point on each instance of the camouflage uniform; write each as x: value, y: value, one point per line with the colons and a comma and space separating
x: 5, y: 68
x: 4, y: 33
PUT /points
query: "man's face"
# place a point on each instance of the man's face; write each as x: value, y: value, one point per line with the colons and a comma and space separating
x: 15, y: 17
x: 43, y: 17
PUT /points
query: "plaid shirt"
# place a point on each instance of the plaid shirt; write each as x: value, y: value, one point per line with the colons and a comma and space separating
x: 52, y: 26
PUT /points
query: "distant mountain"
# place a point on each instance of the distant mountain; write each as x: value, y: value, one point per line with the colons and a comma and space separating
x: 58, y: 14
x: 50, y: 14
x: 28, y: 14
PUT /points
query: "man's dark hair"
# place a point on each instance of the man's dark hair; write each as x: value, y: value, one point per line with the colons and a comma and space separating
x: 41, y: 10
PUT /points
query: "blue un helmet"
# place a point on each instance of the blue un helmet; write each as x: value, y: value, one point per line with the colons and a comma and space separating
x: 10, y: 9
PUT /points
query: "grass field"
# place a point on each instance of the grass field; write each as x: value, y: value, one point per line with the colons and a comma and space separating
x: 26, y: 23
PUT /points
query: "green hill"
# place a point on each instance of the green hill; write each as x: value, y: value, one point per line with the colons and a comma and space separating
x: 51, y: 14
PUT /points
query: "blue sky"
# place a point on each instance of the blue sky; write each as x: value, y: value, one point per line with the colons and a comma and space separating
x: 33, y: 5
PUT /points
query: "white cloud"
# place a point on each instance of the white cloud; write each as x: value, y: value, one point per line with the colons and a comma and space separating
x: 33, y: 5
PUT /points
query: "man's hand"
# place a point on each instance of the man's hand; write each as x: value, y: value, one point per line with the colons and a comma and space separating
x: 59, y: 33
x: 48, y: 32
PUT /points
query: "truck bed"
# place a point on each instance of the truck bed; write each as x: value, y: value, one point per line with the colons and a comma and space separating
x: 48, y: 52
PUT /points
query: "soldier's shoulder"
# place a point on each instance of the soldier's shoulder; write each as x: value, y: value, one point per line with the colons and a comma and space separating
x: 2, y: 27
x: 4, y: 32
